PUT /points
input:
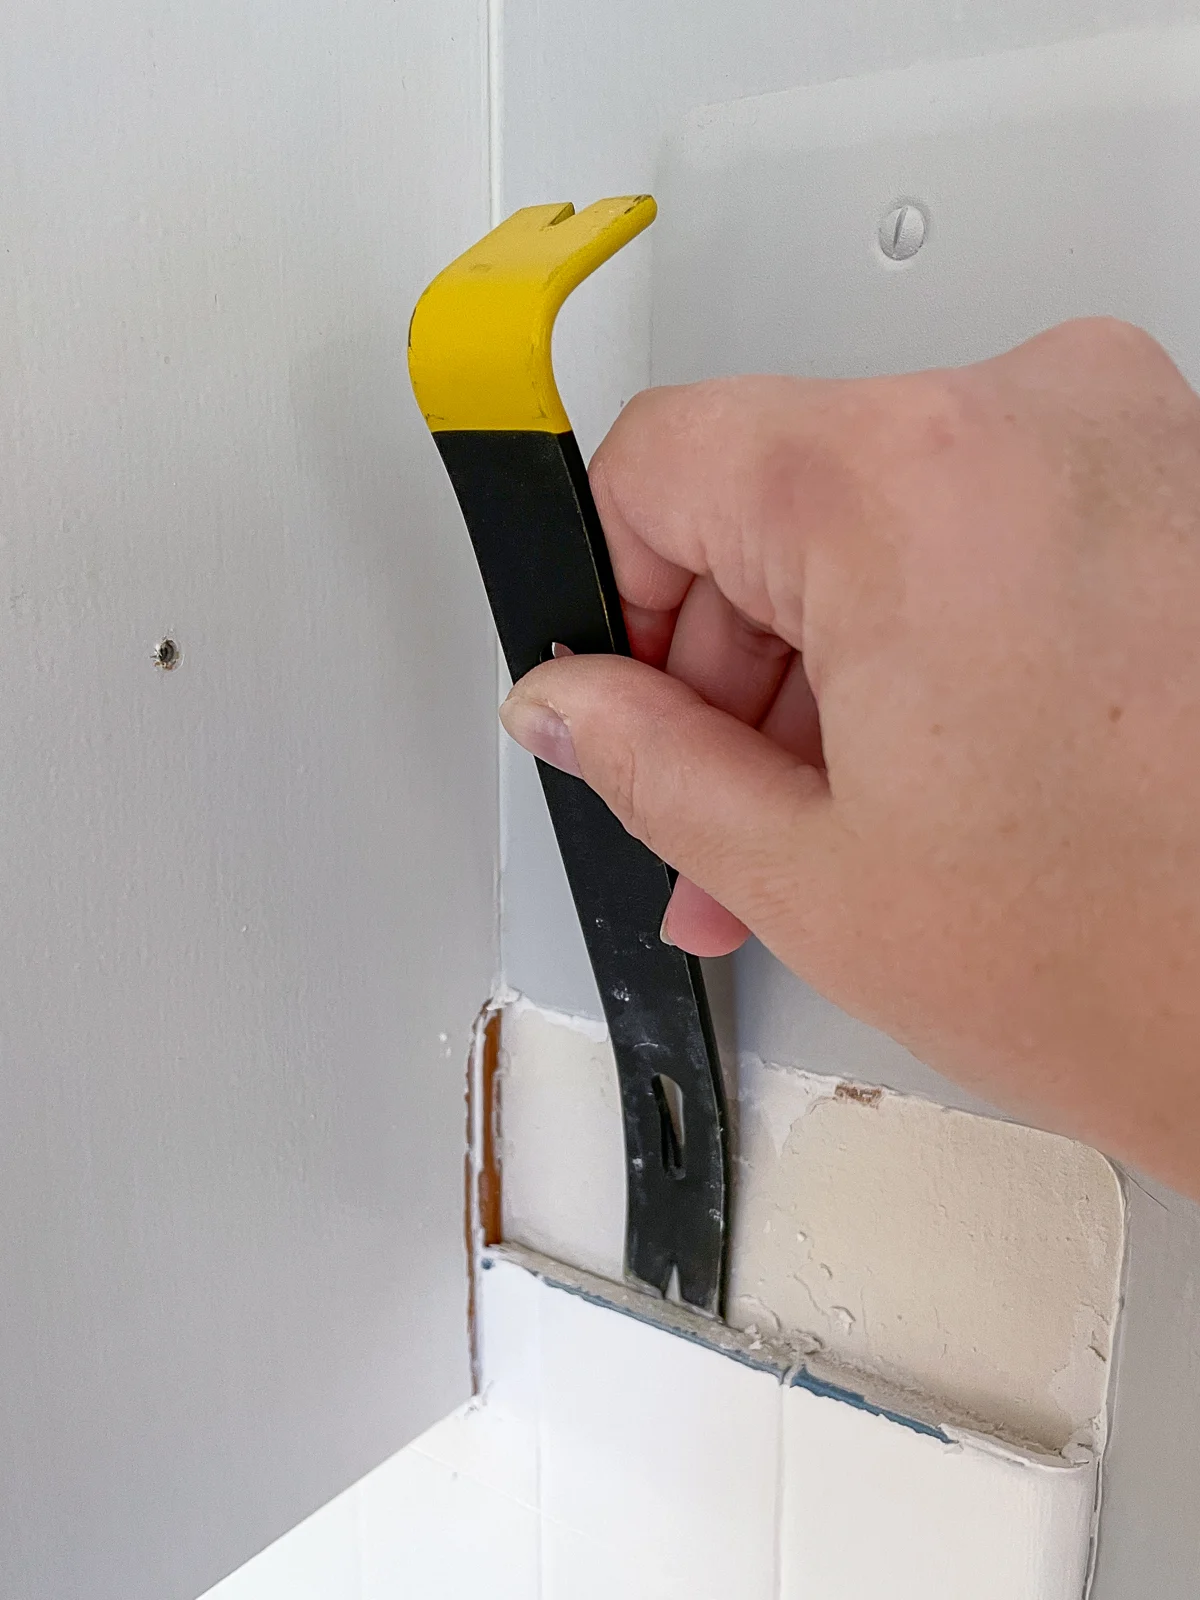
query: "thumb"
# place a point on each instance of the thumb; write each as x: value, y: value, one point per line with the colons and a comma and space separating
x: 735, y: 813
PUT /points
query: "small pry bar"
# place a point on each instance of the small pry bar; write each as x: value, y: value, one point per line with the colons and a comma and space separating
x: 479, y: 356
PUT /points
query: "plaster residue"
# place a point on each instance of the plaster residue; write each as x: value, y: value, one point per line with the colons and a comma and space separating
x: 971, y: 1258
x: 974, y: 1260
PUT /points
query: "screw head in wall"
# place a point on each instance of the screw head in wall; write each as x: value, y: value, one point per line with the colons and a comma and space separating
x: 902, y: 231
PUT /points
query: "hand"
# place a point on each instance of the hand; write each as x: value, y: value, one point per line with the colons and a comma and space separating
x: 917, y: 700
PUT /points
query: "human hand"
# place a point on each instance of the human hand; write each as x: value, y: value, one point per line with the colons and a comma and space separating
x: 917, y: 701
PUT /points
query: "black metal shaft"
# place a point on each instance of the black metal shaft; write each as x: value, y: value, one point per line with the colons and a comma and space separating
x: 540, y: 547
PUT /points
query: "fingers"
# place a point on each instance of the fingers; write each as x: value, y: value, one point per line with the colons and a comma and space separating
x: 727, y: 479
x: 733, y: 664
x: 650, y: 632
x: 701, y: 925
x: 704, y: 493
x: 732, y: 811
x: 793, y: 720
x: 754, y: 676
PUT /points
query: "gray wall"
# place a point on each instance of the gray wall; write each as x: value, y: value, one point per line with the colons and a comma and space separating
x: 247, y: 908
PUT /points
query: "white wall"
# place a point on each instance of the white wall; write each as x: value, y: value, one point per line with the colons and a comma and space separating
x: 247, y: 905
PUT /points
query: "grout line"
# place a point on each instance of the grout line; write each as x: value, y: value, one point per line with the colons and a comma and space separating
x: 475, y: 1479
x: 538, y: 1452
x: 777, y: 1577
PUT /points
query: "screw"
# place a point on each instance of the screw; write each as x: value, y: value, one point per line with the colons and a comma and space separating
x: 167, y: 654
x: 902, y: 232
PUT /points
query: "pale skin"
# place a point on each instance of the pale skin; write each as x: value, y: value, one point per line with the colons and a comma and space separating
x: 917, y: 702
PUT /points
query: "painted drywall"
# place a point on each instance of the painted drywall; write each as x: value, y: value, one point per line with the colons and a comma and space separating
x: 247, y: 903
x: 975, y: 1262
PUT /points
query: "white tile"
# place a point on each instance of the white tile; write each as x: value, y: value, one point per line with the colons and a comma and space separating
x: 508, y: 1308
x: 872, y: 1508
x: 427, y: 1532
x: 489, y: 1444
x: 450, y: 1518
x: 455, y: 1516
x: 578, y: 1567
x: 317, y: 1560
x: 504, y: 1453
x: 659, y: 1462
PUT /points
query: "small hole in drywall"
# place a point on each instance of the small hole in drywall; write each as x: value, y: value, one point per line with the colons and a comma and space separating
x: 668, y: 1097
x: 167, y: 654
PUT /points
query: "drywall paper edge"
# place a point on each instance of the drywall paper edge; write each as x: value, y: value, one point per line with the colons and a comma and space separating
x: 514, y: 1003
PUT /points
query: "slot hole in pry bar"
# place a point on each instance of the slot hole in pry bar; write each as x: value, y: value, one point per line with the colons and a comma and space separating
x: 668, y: 1097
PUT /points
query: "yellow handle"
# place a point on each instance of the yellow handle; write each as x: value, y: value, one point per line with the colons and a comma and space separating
x: 479, y: 343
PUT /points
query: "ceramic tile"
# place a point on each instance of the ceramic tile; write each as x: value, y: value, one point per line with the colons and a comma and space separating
x: 873, y: 1508
x: 508, y: 1309
x: 428, y: 1532
x: 576, y: 1566
x: 490, y: 1445
x: 659, y: 1462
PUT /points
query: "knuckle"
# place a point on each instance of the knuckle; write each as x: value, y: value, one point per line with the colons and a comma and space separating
x: 1101, y: 341
x: 605, y: 481
x: 1103, y: 332
x: 618, y: 454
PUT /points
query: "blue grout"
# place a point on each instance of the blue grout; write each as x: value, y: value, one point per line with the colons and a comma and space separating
x: 796, y: 1377
x: 803, y: 1379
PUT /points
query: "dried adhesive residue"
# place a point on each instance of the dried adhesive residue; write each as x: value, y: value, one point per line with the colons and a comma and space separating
x: 976, y: 1260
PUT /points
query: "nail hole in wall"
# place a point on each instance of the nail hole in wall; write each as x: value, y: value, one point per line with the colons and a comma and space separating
x: 167, y: 654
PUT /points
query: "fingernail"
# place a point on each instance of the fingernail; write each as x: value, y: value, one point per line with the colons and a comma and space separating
x: 662, y: 932
x: 559, y: 652
x: 542, y: 732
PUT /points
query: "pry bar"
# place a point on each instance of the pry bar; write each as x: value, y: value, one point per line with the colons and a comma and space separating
x: 480, y: 360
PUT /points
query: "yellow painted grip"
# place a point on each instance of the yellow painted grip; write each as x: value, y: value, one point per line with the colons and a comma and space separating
x: 479, y: 342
